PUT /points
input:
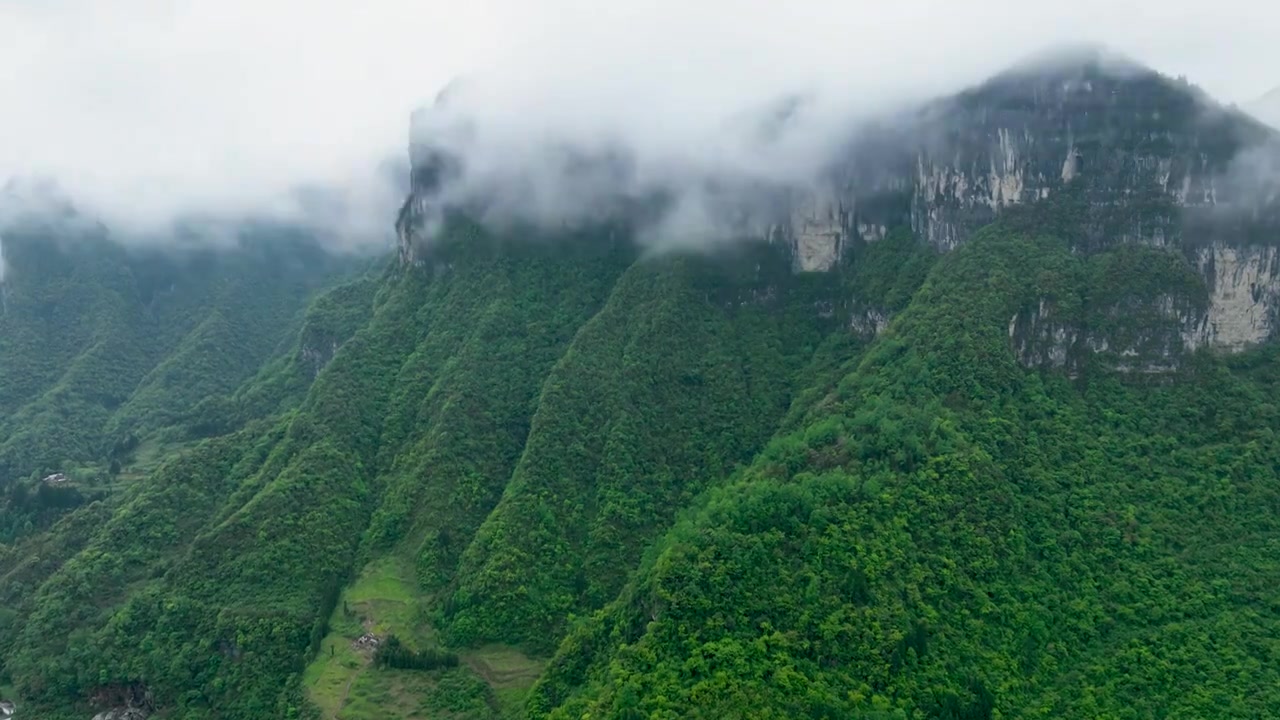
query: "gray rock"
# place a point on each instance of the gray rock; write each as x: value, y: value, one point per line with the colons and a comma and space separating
x: 123, y: 713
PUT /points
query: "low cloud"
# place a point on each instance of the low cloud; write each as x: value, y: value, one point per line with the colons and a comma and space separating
x: 148, y: 112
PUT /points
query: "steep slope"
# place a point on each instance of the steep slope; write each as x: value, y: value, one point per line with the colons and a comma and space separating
x: 981, y: 427
x: 953, y: 535
x: 144, y: 579
x: 495, y: 318
x: 277, y: 510
x: 104, y: 350
x: 1093, y: 149
x: 678, y: 378
x: 680, y: 374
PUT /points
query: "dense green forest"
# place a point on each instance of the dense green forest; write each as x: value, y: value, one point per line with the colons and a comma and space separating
x: 948, y: 534
x: 562, y: 477
x: 105, y: 351
x: 693, y: 494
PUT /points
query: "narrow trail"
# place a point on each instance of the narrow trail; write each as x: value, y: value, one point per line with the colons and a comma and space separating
x: 342, y: 701
x: 346, y: 691
x: 480, y: 668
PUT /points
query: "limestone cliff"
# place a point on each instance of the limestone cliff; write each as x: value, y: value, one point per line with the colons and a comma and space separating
x: 1093, y: 149
x: 1096, y: 150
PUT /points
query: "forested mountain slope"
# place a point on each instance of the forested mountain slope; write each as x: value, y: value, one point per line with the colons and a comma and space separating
x: 104, y: 350
x: 949, y: 533
x: 991, y: 433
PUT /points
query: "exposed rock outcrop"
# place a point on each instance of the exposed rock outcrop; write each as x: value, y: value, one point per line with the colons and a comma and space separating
x: 817, y: 230
x: 1102, y: 155
x: 123, y: 713
x: 316, y: 355
x: 1244, y: 296
x: 1088, y: 147
x: 124, y: 702
x: 869, y: 322
x: 1135, y: 147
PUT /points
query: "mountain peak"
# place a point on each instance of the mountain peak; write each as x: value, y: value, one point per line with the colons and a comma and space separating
x: 1078, y: 57
x: 1074, y: 83
x: 1071, y: 69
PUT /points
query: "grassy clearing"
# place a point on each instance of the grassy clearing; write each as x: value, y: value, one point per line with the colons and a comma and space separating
x: 507, y: 671
x: 149, y: 455
x: 380, y: 601
x: 452, y: 694
x: 503, y: 667
x: 491, y: 682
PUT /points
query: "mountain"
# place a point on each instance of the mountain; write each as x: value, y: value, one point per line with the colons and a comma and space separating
x: 977, y: 424
x: 104, y: 350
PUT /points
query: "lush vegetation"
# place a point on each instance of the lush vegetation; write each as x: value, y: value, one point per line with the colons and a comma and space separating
x: 531, y: 477
x: 105, y: 351
x: 952, y: 535
x: 686, y: 479
x: 392, y: 653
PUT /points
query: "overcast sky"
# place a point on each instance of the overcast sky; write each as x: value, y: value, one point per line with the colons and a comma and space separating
x: 146, y: 108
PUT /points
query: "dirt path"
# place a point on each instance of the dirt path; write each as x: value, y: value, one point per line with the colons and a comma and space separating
x: 342, y: 701
x: 480, y: 668
x: 346, y: 691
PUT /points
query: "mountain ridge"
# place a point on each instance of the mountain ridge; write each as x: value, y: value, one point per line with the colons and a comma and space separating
x: 1129, y: 156
x: 930, y: 442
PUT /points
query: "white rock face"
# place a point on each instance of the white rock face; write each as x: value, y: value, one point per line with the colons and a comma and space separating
x: 1005, y: 180
x: 871, y: 232
x: 1039, y: 339
x: 954, y: 195
x: 818, y: 233
x: 317, y: 357
x: 869, y: 323
x: 1242, y: 310
x: 412, y: 233
x: 817, y: 250
x: 1071, y: 165
x: 1244, y: 294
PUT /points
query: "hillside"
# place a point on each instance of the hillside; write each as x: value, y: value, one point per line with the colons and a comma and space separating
x: 950, y: 535
x: 980, y: 425
x: 106, y: 350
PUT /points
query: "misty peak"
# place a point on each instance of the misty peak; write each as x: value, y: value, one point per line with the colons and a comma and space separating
x: 1016, y: 138
x: 1078, y: 59
x: 29, y: 197
x: 1267, y: 108
x: 768, y: 122
x: 32, y: 188
x: 1072, y: 83
x: 1068, y: 71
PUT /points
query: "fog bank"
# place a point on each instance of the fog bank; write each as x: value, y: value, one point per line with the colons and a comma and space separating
x: 145, y: 112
